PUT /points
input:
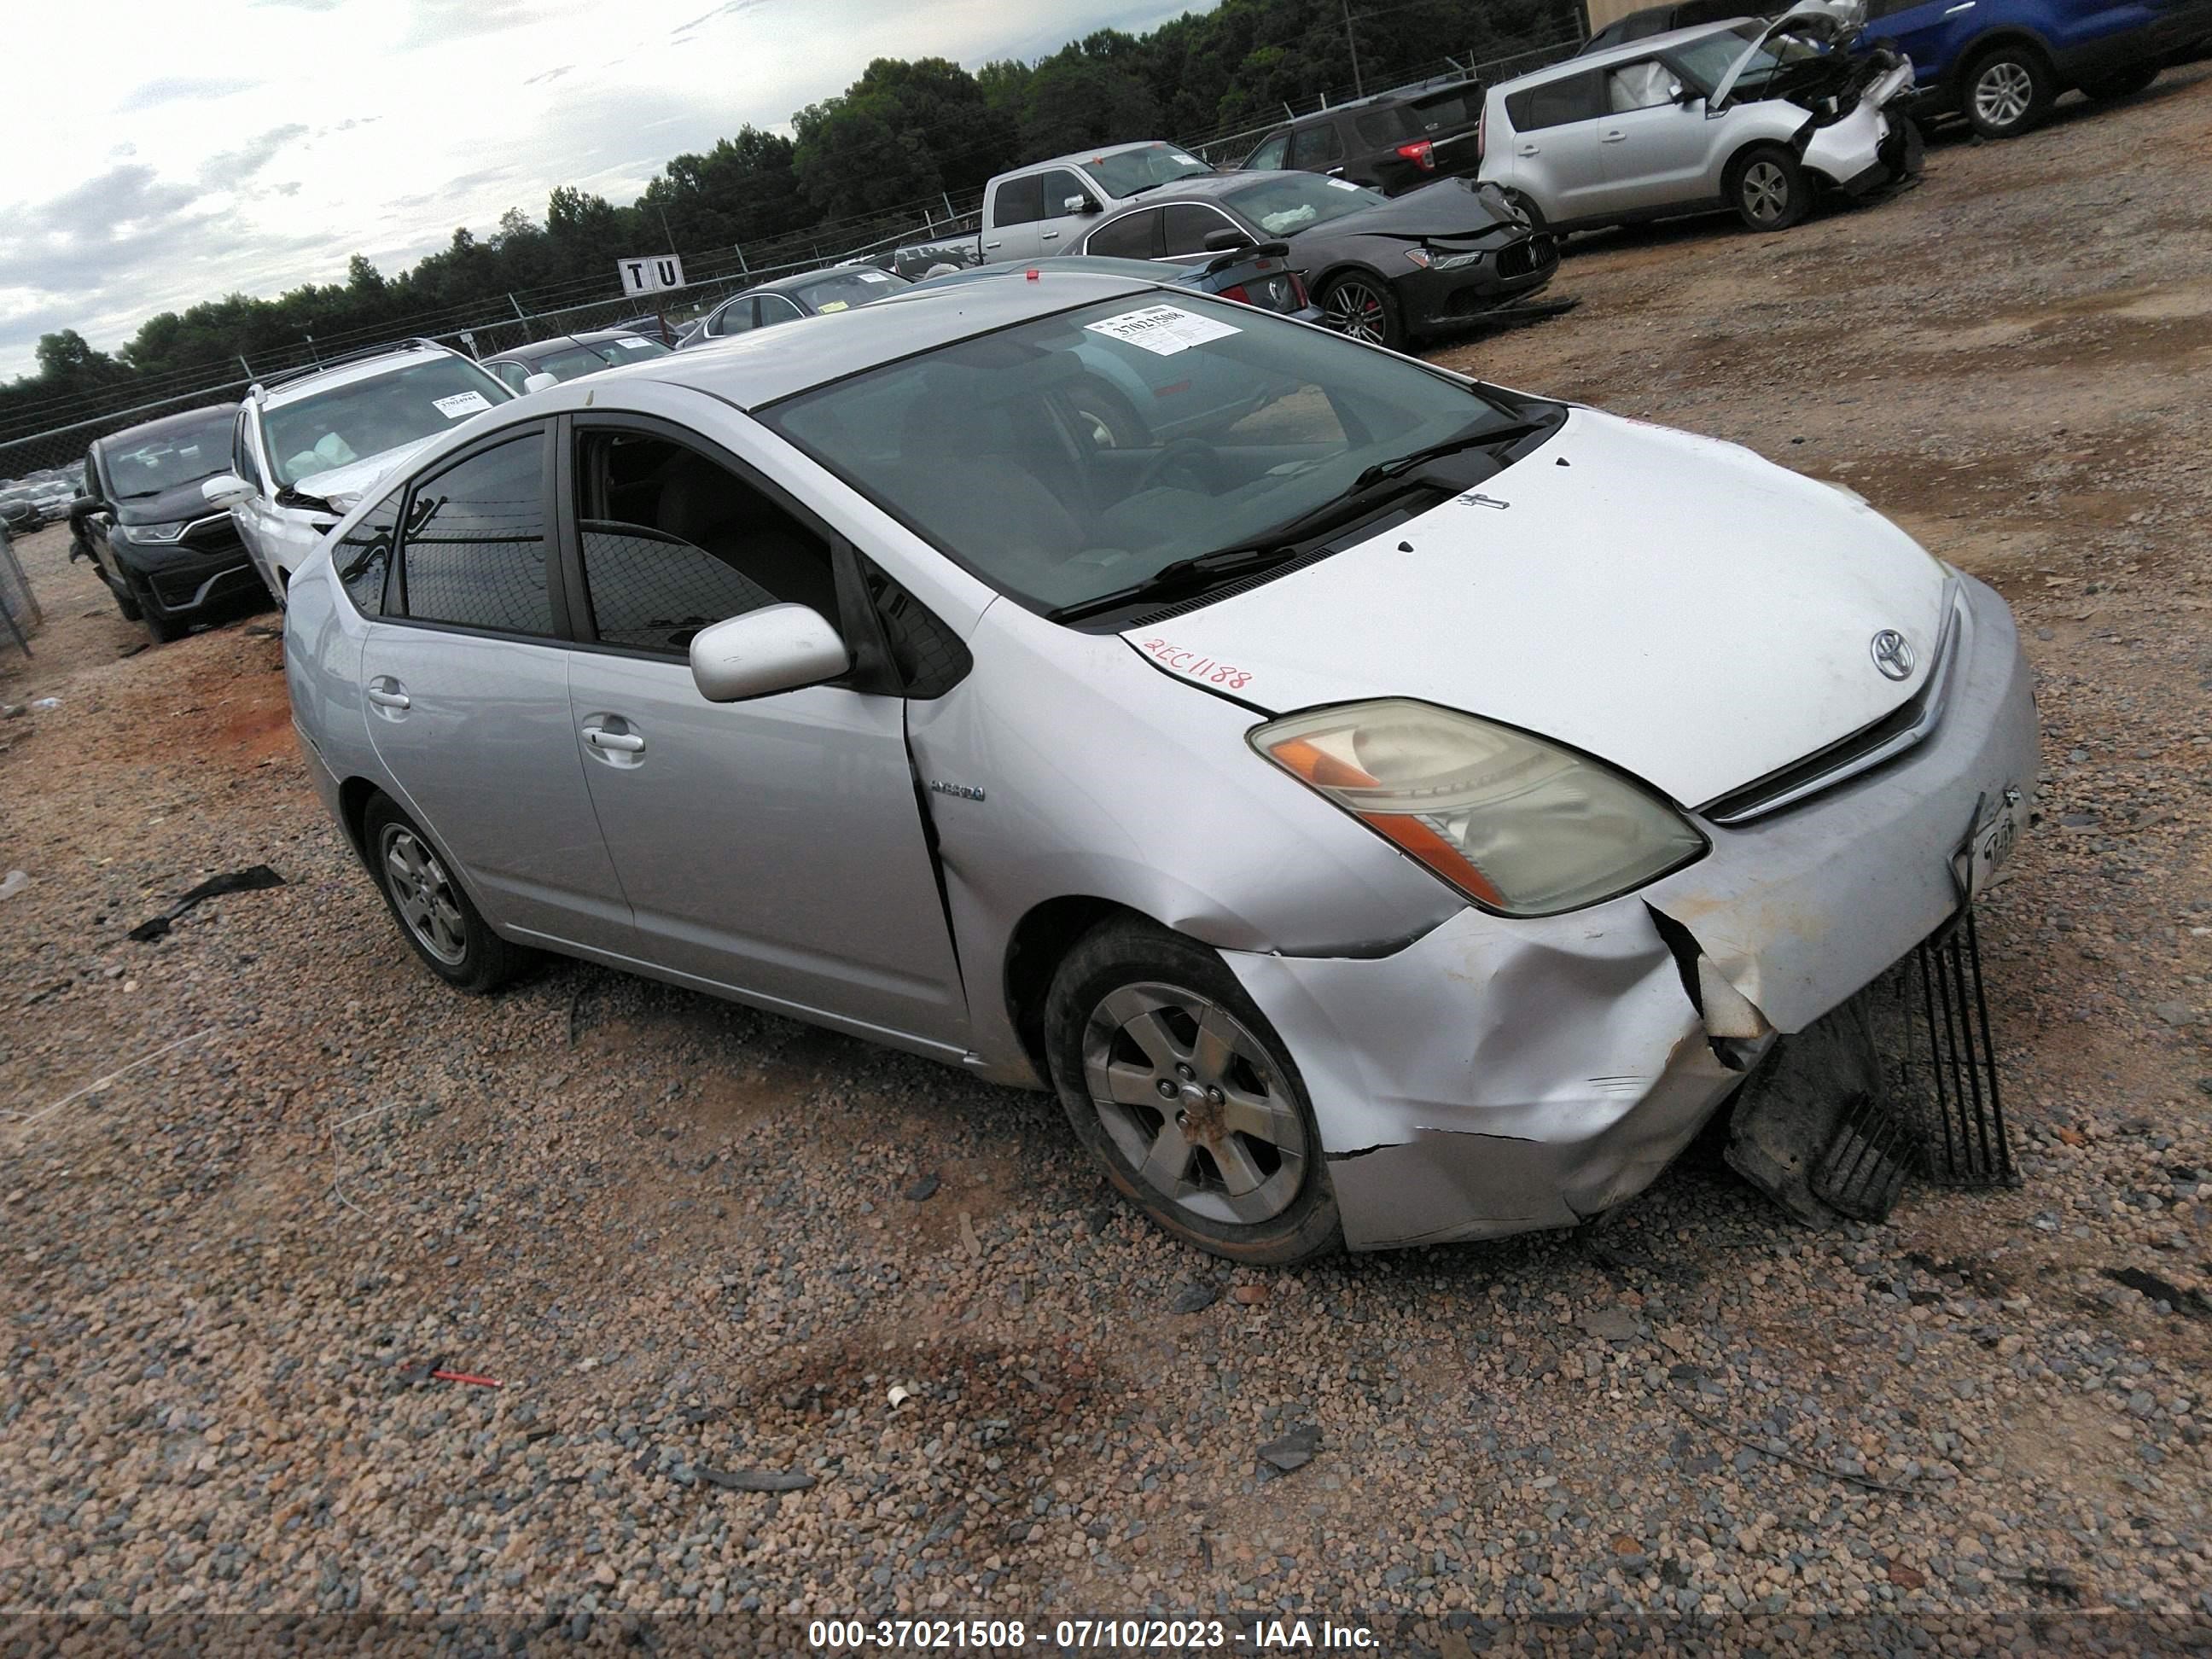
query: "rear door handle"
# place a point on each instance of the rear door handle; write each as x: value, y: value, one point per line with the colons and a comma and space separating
x: 622, y: 742
x: 1049, y: 236
x: 987, y: 246
x: 1613, y: 137
x: 384, y: 693
x: 1526, y: 149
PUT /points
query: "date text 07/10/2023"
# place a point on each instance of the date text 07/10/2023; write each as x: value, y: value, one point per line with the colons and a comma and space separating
x: 1115, y: 1635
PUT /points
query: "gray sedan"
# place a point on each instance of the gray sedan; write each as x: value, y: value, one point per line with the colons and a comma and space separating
x: 1393, y: 810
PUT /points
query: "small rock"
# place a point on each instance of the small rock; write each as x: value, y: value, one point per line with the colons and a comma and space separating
x: 924, y: 1188
x: 1294, y: 1450
x: 1250, y: 1295
x: 1613, y: 1324
x: 1194, y: 1298
x: 757, y: 1479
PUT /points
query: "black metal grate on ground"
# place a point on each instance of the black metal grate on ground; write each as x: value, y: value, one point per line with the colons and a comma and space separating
x: 19, y: 616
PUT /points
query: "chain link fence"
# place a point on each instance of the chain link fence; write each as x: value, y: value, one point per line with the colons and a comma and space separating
x: 485, y: 328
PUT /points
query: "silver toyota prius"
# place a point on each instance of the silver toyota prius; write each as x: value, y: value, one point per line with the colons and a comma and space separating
x: 1393, y: 809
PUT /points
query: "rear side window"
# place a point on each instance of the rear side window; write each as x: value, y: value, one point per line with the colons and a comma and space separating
x: 1315, y: 148
x: 1132, y: 236
x: 475, y: 549
x: 1188, y: 224
x: 363, y: 554
x: 1019, y: 202
x: 1443, y: 111
x: 1556, y: 103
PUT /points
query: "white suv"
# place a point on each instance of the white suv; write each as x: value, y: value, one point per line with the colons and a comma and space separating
x: 307, y: 448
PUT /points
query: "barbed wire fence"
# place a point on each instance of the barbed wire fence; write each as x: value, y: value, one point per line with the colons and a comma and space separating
x: 67, y: 424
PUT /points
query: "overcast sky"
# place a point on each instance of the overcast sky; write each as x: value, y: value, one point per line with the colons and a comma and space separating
x: 161, y: 154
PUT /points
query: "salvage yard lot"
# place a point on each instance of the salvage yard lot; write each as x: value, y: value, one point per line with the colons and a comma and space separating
x: 693, y: 1242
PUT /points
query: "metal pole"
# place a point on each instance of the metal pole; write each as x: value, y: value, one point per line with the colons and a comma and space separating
x: 312, y: 352
x: 743, y: 269
x: 520, y: 316
x: 945, y: 196
x: 665, y: 230
x: 1358, y: 91
x: 248, y: 367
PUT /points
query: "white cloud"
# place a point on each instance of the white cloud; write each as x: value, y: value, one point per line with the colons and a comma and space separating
x: 261, y: 142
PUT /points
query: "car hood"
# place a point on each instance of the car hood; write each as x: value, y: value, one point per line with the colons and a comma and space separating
x: 1673, y: 604
x: 1834, y: 23
x: 170, y: 506
x: 1450, y: 207
x: 355, y: 478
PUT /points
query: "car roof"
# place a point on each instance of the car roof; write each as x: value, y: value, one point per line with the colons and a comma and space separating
x: 1626, y: 51
x: 1206, y: 184
x: 553, y: 343
x: 163, y: 425
x: 365, y: 368
x: 755, y: 369
x: 1084, y: 157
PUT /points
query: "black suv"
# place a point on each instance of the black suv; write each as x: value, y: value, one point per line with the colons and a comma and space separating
x: 1661, y: 19
x: 1393, y: 142
x: 168, y: 554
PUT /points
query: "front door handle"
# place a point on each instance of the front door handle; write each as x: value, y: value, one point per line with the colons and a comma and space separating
x: 384, y: 693
x: 622, y: 742
x: 1613, y: 137
x: 987, y: 246
x: 1049, y: 236
x: 1526, y: 149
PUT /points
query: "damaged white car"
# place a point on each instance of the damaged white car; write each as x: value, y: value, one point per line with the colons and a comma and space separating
x: 1390, y: 810
x: 1749, y: 115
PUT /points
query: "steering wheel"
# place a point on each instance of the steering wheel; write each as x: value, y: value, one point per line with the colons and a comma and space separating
x: 1184, y: 464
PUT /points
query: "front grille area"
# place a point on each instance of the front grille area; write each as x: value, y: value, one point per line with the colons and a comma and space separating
x: 1526, y: 257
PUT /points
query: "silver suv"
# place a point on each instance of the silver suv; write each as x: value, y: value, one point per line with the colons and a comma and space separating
x: 1704, y: 118
x: 307, y: 448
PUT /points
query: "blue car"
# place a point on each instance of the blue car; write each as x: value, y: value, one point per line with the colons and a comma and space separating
x: 2003, y: 64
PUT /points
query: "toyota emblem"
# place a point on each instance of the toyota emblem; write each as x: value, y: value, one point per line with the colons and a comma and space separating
x: 1892, y: 655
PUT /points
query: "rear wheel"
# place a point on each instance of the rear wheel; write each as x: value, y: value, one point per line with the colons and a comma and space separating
x: 1530, y: 211
x: 1177, y: 1083
x: 1768, y: 189
x: 1362, y: 307
x: 2009, y: 90
x: 2125, y: 84
x: 432, y: 910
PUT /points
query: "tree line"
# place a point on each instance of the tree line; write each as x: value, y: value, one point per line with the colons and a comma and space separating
x: 904, y: 132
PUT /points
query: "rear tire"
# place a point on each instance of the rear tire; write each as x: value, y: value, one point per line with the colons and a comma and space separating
x: 2007, y: 91
x: 1767, y: 188
x: 2125, y: 84
x: 434, y: 913
x: 1175, y: 1081
x: 1530, y: 211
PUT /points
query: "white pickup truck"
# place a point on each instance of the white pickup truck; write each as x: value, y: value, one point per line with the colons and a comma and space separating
x: 1038, y: 210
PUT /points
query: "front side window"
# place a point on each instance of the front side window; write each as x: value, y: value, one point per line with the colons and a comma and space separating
x: 1060, y: 188
x: 1317, y: 147
x: 1143, y: 168
x: 513, y: 374
x: 326, y: 430
x: 735, y: 317
x: 1188, y: 224
x: 1051, y: 486
x: 775, y: 309
x: 1646, y: 85
x: 474, y: 553
x: 1288, y: 203
x: 1268, y: 158
x: 1706, y: 60
x: 674, y: 541
x: 1132, y: 236
x: 363, y: 554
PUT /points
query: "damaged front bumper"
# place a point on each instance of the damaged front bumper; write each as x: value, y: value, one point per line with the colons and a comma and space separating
x: 1500, y: 1076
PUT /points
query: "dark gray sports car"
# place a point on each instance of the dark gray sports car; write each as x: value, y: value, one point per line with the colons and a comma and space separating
x: 1383, y: 270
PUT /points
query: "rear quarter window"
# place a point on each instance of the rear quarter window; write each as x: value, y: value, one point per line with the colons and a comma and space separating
x: 1556, y: 103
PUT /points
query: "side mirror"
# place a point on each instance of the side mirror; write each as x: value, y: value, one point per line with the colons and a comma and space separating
x: 780, y: 648
x: 227, y: 490
x: 1077, y: 204
x: 1226, y: 241
x: 82, y: 505
x: 539, y: 382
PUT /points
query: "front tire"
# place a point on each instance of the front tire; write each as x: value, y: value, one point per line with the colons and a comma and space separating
x: 161, y: 626
x: 1177, y: 1083
x: 427, y: 902
x: 1360, y: 306
x: 1767, y: 188
x: 2008, y: 91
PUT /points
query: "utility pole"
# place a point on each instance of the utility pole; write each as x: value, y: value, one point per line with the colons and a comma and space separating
x: 665, y: 230
x: 1357, y: 90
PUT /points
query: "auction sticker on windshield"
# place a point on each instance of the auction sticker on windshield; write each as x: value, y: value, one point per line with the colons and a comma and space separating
x: 460, y: 404
x: 1162, y: 330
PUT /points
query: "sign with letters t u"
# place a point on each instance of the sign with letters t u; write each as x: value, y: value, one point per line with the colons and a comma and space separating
x: 650, y: 274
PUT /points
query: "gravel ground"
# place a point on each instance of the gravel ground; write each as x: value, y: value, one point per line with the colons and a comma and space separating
x: 694, y: 1244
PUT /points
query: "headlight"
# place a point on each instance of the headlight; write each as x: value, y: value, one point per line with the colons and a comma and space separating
x: 1519, y: 825
x: 1420, y: 256
x: 153, y: 534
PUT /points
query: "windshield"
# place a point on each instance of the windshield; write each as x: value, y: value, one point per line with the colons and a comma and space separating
x: 1079, y: 454
x: 1135, y: 170
x: 1706, y: 60
x: 842, y: 290
x: 1285, y: 203
x: 176, y: 457
x: 351, y: 422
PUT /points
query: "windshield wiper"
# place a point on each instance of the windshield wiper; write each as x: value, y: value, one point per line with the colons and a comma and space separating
x: 1399, y: 465
x: 1193, y: 574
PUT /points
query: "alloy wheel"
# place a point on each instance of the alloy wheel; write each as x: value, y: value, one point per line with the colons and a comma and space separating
x: 1194, y: 1102
x: 423, y: 895
x: 1766, y: 192
x: 2003, y: 94
x: 1354, y: 308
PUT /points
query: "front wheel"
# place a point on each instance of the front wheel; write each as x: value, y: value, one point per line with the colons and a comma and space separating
x: 1177, y: 1084
x: 436, y: 915
x: 2008, y: 91
x: 1768, y: 190
x: 1362, y: 307
x: 161, y: 626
